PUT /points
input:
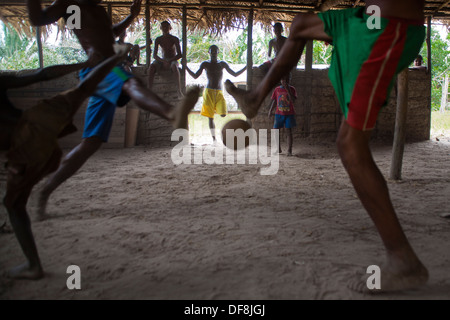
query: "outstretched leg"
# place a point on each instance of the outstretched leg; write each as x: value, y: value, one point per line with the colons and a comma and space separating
x: 403, y: 268
x: 150, y: 101
x: 73, y: 161
x: 304, y: 27
x: 212, y: 128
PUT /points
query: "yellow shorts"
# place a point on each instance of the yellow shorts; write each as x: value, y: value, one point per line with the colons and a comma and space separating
x: 213, y: 102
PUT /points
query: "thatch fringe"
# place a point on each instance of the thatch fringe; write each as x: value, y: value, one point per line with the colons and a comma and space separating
x: 215, y: 16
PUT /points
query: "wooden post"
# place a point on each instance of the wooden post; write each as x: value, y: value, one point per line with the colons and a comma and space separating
x: 110, y: 10
x: 444, y: 98
x: 250, y: 50
x: 184, y: 50
x: 429, y: 44
x: 147, y: 35
x: 309, y: 55
x: 39, y: 45
x: 400, y: 126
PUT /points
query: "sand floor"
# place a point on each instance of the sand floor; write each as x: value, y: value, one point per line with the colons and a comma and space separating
x: 140, y: 227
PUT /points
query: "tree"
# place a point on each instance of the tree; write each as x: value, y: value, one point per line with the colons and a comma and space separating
x: 440, y: 58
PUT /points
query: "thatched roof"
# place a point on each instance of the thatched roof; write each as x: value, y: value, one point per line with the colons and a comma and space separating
x: 215, y: 15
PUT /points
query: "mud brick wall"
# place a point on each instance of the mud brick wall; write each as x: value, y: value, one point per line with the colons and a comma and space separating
x: 318, y: 113
x: 152, y: 130
x: 26, y: 97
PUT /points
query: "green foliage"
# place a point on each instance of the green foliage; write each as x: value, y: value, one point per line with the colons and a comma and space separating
x: 322, y: 52
x: 440, y: 59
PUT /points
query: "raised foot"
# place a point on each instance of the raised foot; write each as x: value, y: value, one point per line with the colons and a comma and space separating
x: 391, y: 281
x: 24, y: 271
x: 180, y: 118
x: 244, y: 102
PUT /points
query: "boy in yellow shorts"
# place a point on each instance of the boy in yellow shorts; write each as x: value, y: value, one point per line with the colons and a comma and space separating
x: 213, y: 100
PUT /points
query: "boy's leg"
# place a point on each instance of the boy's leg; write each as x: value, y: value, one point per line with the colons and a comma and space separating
x: 18, y: 189
x: 176, y: 71
x: 289, y: 139
x: 149, y: 101
x: 73, y: 161
x: 212, y: 128
x: 151, y: 75
x: 304, y: 27
x: 403, y: 268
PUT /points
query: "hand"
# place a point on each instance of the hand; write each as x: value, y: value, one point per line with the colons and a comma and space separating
x: 135, y: 8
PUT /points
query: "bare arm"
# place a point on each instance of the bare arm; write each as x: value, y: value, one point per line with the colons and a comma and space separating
x: 198, y: 73
x: 178, y: 48
x: 120, y: 27
x: 270, y: 48
x: 234, y: 74
x: 271, y: 108
x: 45, y: 74
x: 48, y: 15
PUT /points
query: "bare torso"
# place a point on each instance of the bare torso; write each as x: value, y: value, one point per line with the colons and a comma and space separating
x: 168, y: 44
x: 276, y: 44
x: 214, y: 73
x: 96, y: 31
x: 404, y: 9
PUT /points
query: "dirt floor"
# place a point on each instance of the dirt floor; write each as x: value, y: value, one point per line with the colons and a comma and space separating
x: 140, y: 227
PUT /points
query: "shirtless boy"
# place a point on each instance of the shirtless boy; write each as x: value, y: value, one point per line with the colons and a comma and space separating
x: 97, y: 34
x: 362, y: 73
x: 275, y: 44
x: 171, y: 53
x: 213, y: 100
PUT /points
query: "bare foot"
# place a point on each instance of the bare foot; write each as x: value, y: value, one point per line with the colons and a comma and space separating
x: 180, y: 116
x: 245, y: 103
x: 42, y: 207
x: 392, y: 279
x: 24, y: 271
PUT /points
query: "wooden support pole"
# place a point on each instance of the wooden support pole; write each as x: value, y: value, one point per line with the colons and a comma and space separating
x: 184, y: 50
x: 400, y: 126
x: 148, y: 51
x: 309, y: 55
x: 109, y: 10
x: 444, y: 98
x: 250, y: 50
x: 39, y: 45
x: 429, y: 44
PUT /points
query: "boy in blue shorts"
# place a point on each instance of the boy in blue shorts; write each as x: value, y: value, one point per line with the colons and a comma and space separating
x: 283, y: 97
x: 364, y: 63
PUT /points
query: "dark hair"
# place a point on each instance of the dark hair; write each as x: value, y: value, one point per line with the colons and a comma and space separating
x: 213, y: 46
x: 278, y: 24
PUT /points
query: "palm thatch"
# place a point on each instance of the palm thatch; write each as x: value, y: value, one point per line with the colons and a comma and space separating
x: 214, y: 16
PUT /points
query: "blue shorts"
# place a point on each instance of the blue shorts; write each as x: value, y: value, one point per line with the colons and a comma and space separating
x: 102, y: 104
x: 282, y: 121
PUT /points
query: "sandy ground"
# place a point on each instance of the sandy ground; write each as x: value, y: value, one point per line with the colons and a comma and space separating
x: 140, y: 227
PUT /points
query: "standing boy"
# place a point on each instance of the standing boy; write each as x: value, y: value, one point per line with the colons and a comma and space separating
x: 283, y: 98
x: 213, y: 100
